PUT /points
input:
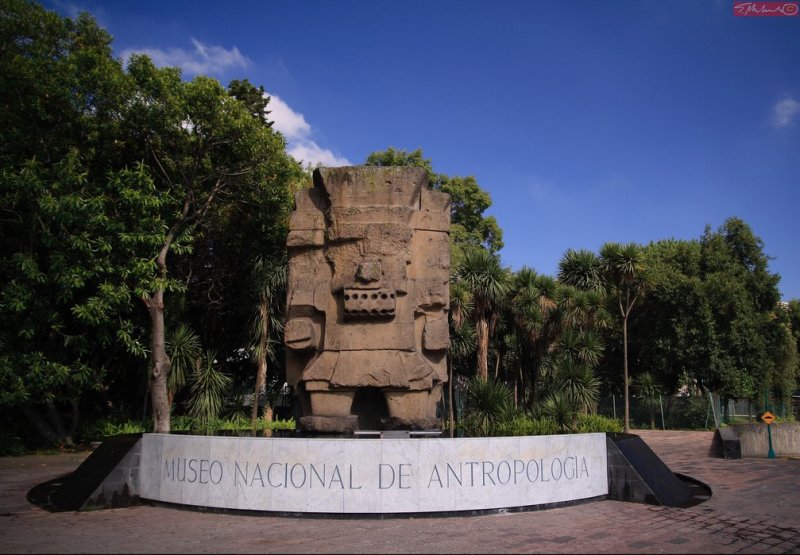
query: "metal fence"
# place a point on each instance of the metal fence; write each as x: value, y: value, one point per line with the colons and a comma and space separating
x: 692, y: 412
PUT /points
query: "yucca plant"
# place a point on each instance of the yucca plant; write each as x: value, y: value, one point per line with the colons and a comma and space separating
x: 208, y: 390
x: 649, y: 394
x: 561, y: 408
x: 184, y: 351
x: 588, y: 423
x: 488, y: 404
x: 578, y: 383
x: 462, y: 344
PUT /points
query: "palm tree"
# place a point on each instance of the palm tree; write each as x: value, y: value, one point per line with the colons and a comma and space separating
x: 582, y: 310
x: 649, y: 392
x: 583, y: 347
x: 582, y: 269
x: 534, y: 306
x: 534, y: 303
x: 462, y: 344
x: 462, y: 338
x: 488, y: 282
x: 269, y: 280
x: 627, y: 277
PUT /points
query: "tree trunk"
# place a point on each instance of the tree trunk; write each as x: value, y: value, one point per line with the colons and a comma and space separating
x: 450, y: 408
x: 261, y: 365
x: 160, y: 363
x: 39, y: 424
x: 75, y: 415
x: 57, y: 422
x: 625, y: 366
x: 482, y: 338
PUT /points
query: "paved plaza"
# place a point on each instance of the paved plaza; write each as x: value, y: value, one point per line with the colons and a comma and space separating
x: 755, y: 508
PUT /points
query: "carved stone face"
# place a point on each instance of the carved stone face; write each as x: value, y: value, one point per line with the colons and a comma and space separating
x: 369, y: 264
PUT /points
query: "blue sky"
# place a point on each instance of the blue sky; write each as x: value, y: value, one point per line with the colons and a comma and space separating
x: 586, y: 121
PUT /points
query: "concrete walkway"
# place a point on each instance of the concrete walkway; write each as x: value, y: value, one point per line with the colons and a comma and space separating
x: 755, y: 508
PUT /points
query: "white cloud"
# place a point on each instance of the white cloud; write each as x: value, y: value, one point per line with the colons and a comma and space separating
x: 784, y: 112
x: 292, y: 124
x: 298, y: 133
x: 310, y: 153
x: 204, y: 59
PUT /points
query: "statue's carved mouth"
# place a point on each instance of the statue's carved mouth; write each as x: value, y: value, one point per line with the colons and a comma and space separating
x: 369, y: 302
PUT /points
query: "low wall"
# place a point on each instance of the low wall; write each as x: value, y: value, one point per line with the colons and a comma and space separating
x: 754, y: 439
x: 372, y: 475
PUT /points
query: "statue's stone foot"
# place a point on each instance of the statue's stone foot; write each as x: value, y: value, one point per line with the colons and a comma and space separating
x: 397, y: 423
x: 329, y: 424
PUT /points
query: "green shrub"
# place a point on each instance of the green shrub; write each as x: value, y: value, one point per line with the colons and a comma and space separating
x: 96, y: 430
x: 11, y: 445
x: 561, y: 408
x: 523, y: 425
x: 208, y: 390
x: 201, y: 426
x: 487, y: 405
x: 689, y: 413
x: 528, y: 425
x: 590, y: 423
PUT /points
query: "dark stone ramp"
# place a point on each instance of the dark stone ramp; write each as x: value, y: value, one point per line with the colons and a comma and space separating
x: 98, y: 482
x: 726, y: 444
x: 637, y: 474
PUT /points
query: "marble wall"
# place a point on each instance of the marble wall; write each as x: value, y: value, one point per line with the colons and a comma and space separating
x: 372, y: 475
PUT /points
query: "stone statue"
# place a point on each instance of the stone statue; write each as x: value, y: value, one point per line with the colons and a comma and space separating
x: 368, y: 296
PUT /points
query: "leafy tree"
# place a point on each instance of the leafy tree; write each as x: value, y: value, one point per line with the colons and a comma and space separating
x: 76, y: 224
x: 244, y: 243
x: 782, y: 380
x: 206, y: 149
x: 394, y: 157
x: 468, y: 201
x: 793, y: 309
x: 111, y: 179
x: 743, y: 295
x: 255, y: 99
x: 674, y: 327
x: 712, y: 316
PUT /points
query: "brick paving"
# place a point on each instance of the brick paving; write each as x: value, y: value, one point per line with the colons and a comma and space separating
x: 755, y: 508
